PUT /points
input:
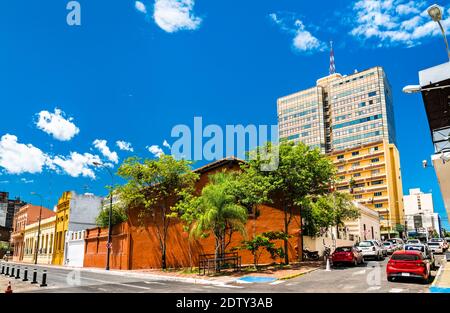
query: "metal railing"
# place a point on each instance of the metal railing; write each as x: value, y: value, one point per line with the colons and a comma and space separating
x: 208, y: 262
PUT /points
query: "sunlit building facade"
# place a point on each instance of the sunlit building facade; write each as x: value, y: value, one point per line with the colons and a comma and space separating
x: 351, y: 119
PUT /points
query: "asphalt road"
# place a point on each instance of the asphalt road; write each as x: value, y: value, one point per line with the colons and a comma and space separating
x: 366, y: 278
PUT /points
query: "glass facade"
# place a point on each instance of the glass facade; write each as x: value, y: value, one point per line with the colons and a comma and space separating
x: 341, y: 112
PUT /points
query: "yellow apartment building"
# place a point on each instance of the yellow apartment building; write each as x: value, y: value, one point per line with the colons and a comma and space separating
x: 371, y: 173
x: 45, y: 249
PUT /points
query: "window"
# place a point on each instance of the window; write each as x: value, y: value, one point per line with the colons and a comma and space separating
x: 374, y: 160
x: 358, y: 197
x: 342, y: 188
x: 377, y: 194
x: 342, y: 177
x: 374, y: 172
x: 357, y: 175
x: 355, y: 153
x: 341, y: 168
x: 378, y: 205
x: 377, y: 182
x: 373, y: 93
x: 340, y: 157
x: 356, y: 164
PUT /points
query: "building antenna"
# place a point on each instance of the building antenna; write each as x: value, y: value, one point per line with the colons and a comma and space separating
x: 332, y: 65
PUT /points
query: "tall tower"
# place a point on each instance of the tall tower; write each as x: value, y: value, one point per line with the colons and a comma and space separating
x: 332, y: 65
x: 351, y: 118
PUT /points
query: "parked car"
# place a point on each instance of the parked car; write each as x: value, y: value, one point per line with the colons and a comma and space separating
x: 390, y: 247
x: 347, y: 255
x: 443, y: 242
x: 382, y: 247
x: 398, y: 243
x: 424, y: 250
x: 408, y: 263
x: 436, y: 246
x: 370, y: 249
x: 413, y: 242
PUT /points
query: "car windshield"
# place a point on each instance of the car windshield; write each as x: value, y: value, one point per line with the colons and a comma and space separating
x: 433, y: 244
x: 405, y: 257
x: 437, y: 240
x: 344, y: 249
x: 365, y: 244
x: 387, y: 243
x: 415, y: 248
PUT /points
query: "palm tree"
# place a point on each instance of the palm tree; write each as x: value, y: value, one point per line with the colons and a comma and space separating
x: 219, y: 212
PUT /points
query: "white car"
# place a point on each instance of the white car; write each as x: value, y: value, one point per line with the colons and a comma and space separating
x: 390, y: 247
x: 397, y: 242
x: 413, y: 242
x: 370, y: 249
x: 442, y: 241
x: 436, y: 246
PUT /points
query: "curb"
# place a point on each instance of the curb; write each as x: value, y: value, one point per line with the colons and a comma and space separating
x: 297, y: 275
x: 127, y: 273
x: 434, y: 288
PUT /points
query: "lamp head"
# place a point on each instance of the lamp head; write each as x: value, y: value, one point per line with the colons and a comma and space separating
x: 412, y: 89
x: 435, y: 12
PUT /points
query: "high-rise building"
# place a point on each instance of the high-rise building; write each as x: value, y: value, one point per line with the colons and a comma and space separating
x: 8, y: 207
x: 419, y: 212
x: 340, y: 112
x: 351, y: 118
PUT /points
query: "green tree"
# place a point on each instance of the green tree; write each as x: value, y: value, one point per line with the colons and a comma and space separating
x: 324, y: 211
x: 215, y: 211
x: 154, y: 187
x: 301, y: 173
x: 118, y: 216
x: 256, y: 247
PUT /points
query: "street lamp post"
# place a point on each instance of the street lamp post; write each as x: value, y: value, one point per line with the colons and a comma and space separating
x: 435, y: 13
x: 108, y: 245
x: 39, y: 228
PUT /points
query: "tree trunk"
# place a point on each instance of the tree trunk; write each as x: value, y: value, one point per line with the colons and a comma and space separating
x: 163, y: 258
x: 286, y: 230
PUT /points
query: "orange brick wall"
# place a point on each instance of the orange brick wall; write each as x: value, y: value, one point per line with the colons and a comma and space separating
x: 136, y: 245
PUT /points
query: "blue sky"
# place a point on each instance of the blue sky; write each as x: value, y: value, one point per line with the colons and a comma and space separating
x: 133, y: 70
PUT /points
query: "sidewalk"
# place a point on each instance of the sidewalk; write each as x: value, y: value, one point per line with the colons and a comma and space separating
x: 441, y: 283
x: 193, y: 278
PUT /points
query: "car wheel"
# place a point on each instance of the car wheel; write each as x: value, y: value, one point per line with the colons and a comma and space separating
x: 390, y: 278
x: 363, y: 260
x: 355, y: 262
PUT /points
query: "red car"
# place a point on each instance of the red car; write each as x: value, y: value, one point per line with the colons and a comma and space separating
x: 408, y: 263
x: 347, y: 255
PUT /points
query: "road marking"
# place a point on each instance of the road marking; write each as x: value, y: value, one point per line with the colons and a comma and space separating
x: 396, y: 290
x: 154, y: 283
x: 373, y: 288
x: 277, y: 282
x: 134, y: 286
x: 362, y: 272
x: 349, y: 287
x: 228, y: 286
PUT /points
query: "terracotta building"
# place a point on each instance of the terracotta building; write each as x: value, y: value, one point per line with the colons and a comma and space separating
x: 26, y: 215
x: 135, y: 244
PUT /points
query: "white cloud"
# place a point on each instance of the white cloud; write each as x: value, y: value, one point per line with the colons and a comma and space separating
x: 155, y: 150
x: 102, y: 146
x: 175, y: 15
x: 26, y: 181
x: 4, y: 181
x: 124, y: 146
x: 303, y: 40
x: 140, y: 7
x: 166, y: 144
x: 57, y: 125
x: 389, y: 23
x: 77, y: 164
x: 18, y: 158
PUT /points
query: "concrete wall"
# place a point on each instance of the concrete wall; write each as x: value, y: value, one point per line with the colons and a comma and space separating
x: 317, y: 243
x: 74, y: 256
x: 83, y: 211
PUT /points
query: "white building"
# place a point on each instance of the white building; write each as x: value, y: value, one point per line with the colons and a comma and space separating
x: 419, y: 212
x: 366, y: 227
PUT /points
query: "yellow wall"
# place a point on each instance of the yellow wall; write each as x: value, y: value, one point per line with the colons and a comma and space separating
x: 367, y: 165
x: 61, y: 227
x: 46, y: 241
